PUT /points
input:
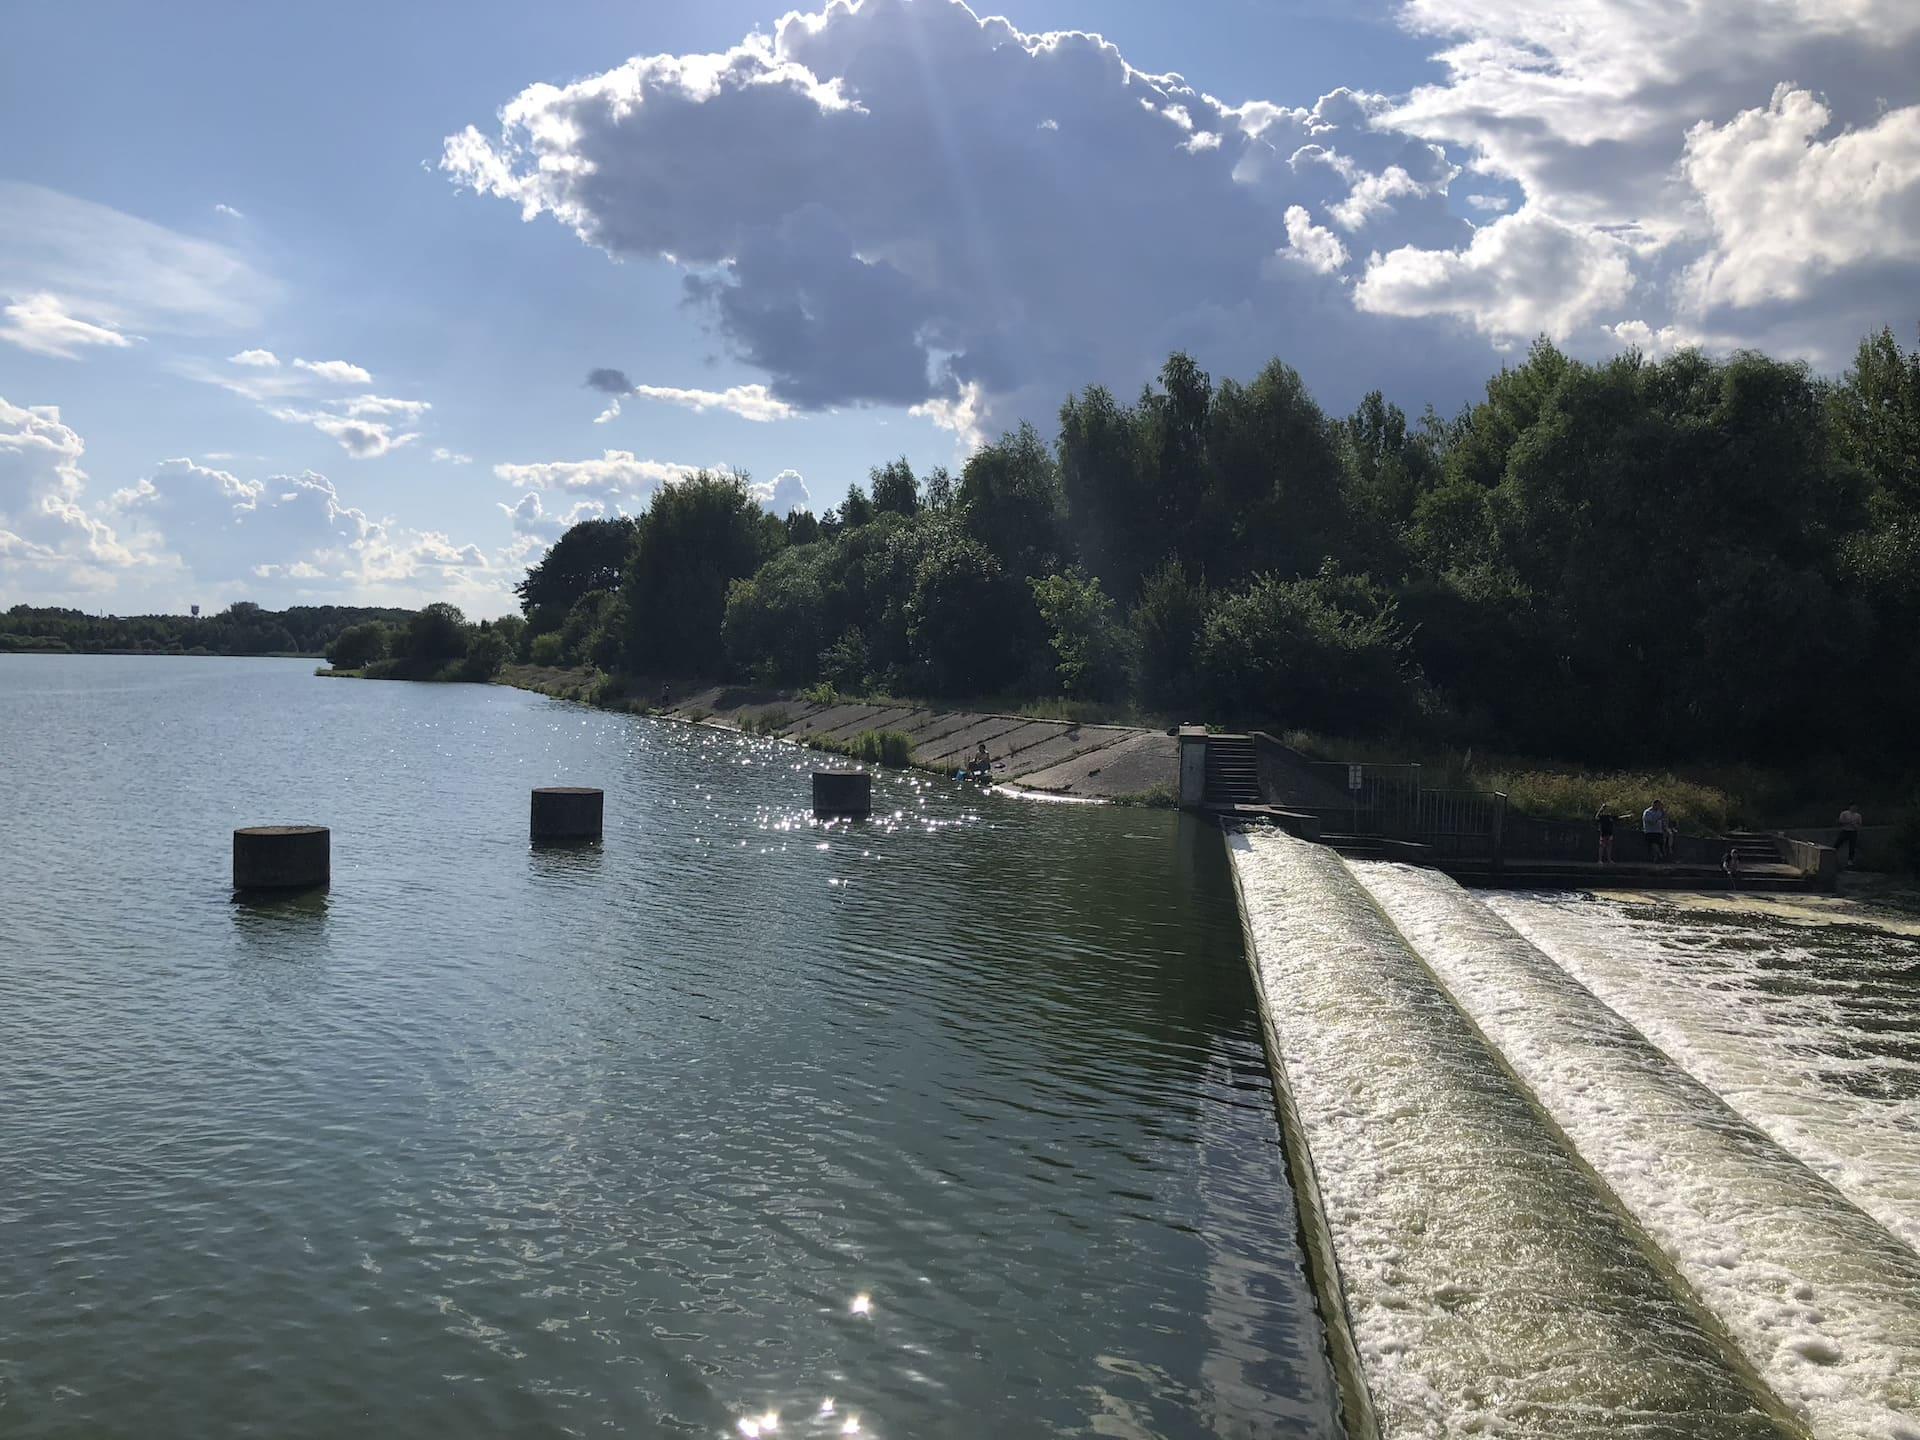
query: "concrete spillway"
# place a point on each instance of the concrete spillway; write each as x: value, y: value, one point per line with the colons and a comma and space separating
x: 1819, y: 1297
x: 1491, y: 1284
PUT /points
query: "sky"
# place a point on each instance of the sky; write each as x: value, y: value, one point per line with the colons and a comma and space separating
x: 357, y: 304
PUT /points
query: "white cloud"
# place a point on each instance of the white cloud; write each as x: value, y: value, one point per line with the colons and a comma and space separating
x: 362, y: 439
x: 340, y: 372
x: 617, y: 472
x: 259, y: 359
x: 122, y: 273
x: 221, y: 208
x: 41, y: 323
x: 1525, y: 274
x: 363, y: 405
x: 450, y: 457
x: 1013, y: 211
x: 44, y: 520
x: 962, y: 412
x: 826, y: 199
x: 787, y: 493
x: 1314, y: 246
x: 1654, y: 344
x: 529, y: 516
x: 749, y: 402
x: 1789, y: 209
x: 220, y: 530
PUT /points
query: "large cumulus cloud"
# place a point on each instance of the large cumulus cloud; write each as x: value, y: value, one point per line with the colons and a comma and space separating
x: 891, y: 202
x: 900, y: 202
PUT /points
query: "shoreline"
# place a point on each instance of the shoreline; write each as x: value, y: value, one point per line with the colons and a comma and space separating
x: 1058, y: 760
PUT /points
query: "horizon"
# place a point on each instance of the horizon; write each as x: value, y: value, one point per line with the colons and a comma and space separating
x: 356, y: 325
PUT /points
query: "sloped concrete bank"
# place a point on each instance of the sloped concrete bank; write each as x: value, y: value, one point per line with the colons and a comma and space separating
x: 1057, y: 759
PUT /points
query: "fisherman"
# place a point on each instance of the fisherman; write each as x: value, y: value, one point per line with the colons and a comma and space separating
x: 1653, y: 827
x: 1606, y: 820
x: 981, y: 767
x: 1849, y: 837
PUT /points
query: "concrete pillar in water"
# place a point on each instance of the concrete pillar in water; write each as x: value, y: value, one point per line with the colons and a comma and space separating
x: 567, y: 812
x: 842, y: 793
x: 1193, y: 766
x: 282, y: 857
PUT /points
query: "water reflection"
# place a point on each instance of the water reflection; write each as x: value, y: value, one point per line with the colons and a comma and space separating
x: 616, y: 1139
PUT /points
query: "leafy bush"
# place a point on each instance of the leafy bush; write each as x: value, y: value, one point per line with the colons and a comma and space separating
x: 487, y: 654
x: 548, y: 650
x: 1090, y: 648
x: 1166, y: 625
x: 1327, y: 651
x: 358, y: 646
x: 437, y: 632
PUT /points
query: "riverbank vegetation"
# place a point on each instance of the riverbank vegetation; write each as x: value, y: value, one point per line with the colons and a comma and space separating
x: 243, y: 628
x: 1626, y: 565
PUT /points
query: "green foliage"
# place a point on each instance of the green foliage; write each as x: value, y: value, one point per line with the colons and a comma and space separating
x: 1695, y: 808
x: 358, y: 646
x: 436, y: 632
x: 847, y: 662
x: 547, y: 650
x: 487, y: 653
x: 1327, y: 651
x: 1011, y: 498
x: 873, y: 747
x: 590, y: 556
x: 1166, y: 623
x: 959, y: 618
x: 894, y: 488
x: 1089, y: 645
x: 696, y: 539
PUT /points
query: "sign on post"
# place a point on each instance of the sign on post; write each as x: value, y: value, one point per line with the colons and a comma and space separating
x: 1353, y: 777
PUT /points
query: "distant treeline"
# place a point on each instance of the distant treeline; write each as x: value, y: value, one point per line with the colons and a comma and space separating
x: 241, y: 629
x: 1617, y: 562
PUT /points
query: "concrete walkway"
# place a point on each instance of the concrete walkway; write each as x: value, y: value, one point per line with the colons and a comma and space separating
x: 1056, y: 758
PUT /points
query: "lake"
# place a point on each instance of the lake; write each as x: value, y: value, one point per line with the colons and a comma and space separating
x: 955, y: 1122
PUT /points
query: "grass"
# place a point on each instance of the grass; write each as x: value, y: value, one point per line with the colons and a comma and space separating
x: 872, y: 747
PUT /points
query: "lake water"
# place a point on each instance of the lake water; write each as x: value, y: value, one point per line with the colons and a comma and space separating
x: 952, y: 1123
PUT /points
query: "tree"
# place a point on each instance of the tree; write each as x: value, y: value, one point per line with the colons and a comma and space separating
x: 1010, y: 497
x: 1089, y: 646
x: 589, y: 556
x: 1326, y: 652
x: 894, y: 488
x: 437, y: 632
x: 485, y: 656
x: 358, y: 646
x: 1166, y: 623
x: 959, y: 620
x: 697, y: 537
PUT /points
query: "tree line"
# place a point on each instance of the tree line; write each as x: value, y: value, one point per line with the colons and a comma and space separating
x: 1628, y: 561
x: 243, y: 628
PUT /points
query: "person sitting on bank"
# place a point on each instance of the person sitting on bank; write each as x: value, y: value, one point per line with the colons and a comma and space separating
x: 1730, y: 866
x: 982, y: 762
x: 1849, y: 837
x: 1606, y: 820
x: 1653, y: 828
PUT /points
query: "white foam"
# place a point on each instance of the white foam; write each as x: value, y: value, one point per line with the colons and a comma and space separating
x: 1790, y: 1029
x: 1821, y: 1299
x: 1491, y: 1286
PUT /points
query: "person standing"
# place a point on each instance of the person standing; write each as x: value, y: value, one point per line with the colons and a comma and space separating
x: 1653, y: 829
x: 1606, y: 820
x: 1849, y: 837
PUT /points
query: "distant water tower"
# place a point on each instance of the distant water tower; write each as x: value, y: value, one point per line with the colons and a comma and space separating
x: 196, y: 612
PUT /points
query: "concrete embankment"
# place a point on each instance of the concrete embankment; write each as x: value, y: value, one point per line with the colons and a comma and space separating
x: 1056, y: 758
x: 1489, y: 1283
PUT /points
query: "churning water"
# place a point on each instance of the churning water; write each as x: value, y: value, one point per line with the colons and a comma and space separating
x: 952, y: 1123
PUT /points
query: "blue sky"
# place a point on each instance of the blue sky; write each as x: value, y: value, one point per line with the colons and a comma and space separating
x: 893, y: 208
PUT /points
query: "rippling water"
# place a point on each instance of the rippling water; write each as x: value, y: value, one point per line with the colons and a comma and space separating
x: 953, y: 1123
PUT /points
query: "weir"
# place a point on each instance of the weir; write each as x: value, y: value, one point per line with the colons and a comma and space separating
x: 1489, y: 1283
x: 1821, y: 1299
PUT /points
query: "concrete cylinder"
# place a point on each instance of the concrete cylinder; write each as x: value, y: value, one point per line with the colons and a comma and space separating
x: 282, y: 857
x: 568, y: 812
x: 842, y: 794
